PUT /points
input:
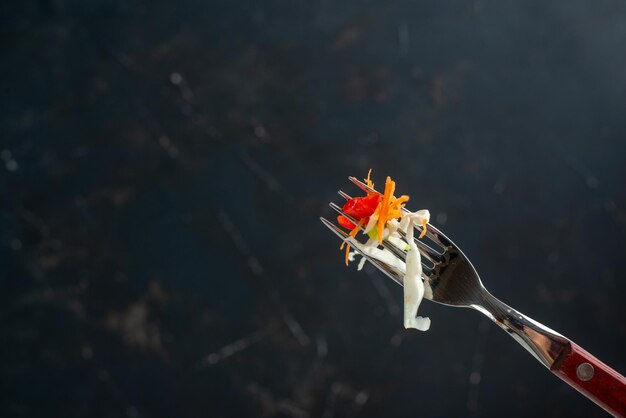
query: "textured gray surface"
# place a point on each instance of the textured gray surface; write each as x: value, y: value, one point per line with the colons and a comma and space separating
x: 164, y: 165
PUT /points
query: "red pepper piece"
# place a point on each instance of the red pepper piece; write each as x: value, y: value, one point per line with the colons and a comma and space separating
x: 358, y: 208
x: 345, y: 222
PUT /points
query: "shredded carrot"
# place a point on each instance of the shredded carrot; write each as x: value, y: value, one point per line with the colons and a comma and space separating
x: 395, y: 210
x: 383, y: 216
x: 424, y: 223
x: 369, y: 182
x: 352, y: 234
x: 357, y: 229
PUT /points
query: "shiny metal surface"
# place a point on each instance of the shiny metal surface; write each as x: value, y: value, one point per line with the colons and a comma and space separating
x: 455, y: 282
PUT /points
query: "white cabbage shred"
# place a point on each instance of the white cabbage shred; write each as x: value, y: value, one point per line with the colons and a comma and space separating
x: 414, y: 286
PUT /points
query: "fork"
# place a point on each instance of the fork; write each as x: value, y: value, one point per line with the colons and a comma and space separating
x: 455, y: 282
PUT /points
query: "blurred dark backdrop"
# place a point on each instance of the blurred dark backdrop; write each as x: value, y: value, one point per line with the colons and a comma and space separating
x: 164, y: 165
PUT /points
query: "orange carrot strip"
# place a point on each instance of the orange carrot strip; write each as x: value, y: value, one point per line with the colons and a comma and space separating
x: 390, y: 186
x: 424, y: 223
x: 352, y: 234
x: 368, y: 181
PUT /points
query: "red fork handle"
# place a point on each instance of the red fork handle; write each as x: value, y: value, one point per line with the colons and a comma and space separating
x: 592, y: 378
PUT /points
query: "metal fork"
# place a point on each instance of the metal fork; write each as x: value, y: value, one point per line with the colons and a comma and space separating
x: 455, y: 282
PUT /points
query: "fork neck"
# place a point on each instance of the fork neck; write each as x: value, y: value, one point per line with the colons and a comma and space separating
x: 542, y: 342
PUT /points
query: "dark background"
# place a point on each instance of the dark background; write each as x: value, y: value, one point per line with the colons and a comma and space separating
x: 164, y: 165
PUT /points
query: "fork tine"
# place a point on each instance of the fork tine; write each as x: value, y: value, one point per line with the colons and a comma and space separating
x: 427, y: 251
x: 434, y: 235
x: 389, y: 246
x: 430, y: 253
x: 340, y: 233
x: 344, y: 195
x: 439, y: 237
x: 390, y: 272
x: 362, y: 185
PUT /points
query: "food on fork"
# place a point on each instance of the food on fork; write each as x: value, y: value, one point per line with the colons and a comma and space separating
x: 381, y: 217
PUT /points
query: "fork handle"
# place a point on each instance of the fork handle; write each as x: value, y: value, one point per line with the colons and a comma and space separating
x: 578, y: 368
x: 592, y: 378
